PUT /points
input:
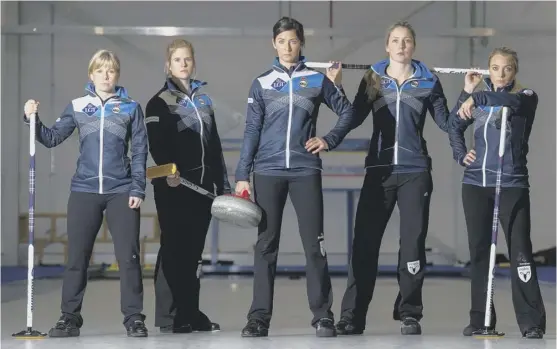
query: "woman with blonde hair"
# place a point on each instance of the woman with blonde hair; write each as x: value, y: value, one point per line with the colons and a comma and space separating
x: 399, y: 91
x: 182, y: 130
x: 481, y: 104
x: 106, y: 180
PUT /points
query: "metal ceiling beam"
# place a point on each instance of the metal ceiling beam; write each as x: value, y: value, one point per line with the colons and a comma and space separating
x: 234, y: 117
x: 356, y: 43
x: 262, y: 32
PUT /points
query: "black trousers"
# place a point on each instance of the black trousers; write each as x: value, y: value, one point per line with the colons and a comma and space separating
x: 514, y: 216
x: 85, y: 216
x: 184, y: 217
x: 165, y: 307
x: 307, y: 198
x: 380, y: 192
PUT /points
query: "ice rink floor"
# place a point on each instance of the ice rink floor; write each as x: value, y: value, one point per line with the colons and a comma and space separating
x: 226, y: 301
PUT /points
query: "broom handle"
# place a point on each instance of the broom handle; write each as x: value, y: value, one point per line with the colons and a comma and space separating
x: 31, y: 248
x: 367, y: 66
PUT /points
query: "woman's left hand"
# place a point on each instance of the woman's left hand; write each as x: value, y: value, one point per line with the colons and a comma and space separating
x: 134, y: 202
x: 316, y: 144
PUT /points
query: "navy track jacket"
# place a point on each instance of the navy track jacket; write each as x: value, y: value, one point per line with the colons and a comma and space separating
x: 489, y: 103
x: 399, y: 114
x: 282, y: 112
x: 182, y: 130
x: 106, y: 129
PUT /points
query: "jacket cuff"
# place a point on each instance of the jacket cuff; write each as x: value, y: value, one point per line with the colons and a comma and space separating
x: 27, y: 121
x: 464, y: 96
x: 461, y: 161
x: 242, y: 176
x: 137, y: 194
x: 328, y: 141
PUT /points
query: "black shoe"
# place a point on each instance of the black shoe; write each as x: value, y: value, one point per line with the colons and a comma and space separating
x: 64, y: 328
x: 186, y: 328
x: 255, y: 328
x: 325, y: 328
x: 396, y: 315
x: 409, y: 325
x: 346, y: 327
x: 137, y: 329
x: 206, y: 327
x: 469, y: 330
x: 166, y: 329
x: 533, y: 333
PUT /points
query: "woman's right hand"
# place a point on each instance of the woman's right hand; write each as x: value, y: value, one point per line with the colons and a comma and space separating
x: 241, y: 186
x: 469, y: 158
x: 334, y: 73
x: 173, y: 180
x: 471, y: 80
x: 31, y: 107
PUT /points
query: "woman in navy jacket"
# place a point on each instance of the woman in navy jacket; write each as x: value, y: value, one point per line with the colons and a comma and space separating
x: 108, y: 182
x: 483, y: 109
x: 400, y: 91
x: 281, y: 148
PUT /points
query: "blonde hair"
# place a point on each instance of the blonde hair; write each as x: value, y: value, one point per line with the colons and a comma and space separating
x: 507, y: 52
x: 103, y: 58
x: 400, y: 24
x: 373, y: 84
x: 172, y: 47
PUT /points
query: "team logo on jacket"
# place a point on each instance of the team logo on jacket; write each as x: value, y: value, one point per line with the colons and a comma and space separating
x: 303, y: 82
x: 90, y: 109
x: 414, y: 83
x: 413, y: 267
x: 385, y: 82
x: 182, y: 101
x: 524, y: 273
x: 116, y: 109
x: 278, y: 84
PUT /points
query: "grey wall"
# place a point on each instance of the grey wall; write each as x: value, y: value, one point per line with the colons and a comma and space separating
x: 52, y: 69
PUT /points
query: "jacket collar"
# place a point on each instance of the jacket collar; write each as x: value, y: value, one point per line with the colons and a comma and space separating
x: 282, y: 69
x: 121, y: 91
x: 507, y: 88
x: 420, y: 70
x: 194, y: 86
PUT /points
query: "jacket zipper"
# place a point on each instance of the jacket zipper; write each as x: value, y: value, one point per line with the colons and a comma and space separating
x: 289, y: 127
x: 101, y: 149
x: 484, y: 162
x: 397, y: 117
x: 101, y: 143
x: 484, y: 180
x: 290, y: 110
x: 201, y: 129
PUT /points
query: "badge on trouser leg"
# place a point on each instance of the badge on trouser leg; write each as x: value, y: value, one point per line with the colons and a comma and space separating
x: 524, y: 272
x: 199, y: 270
x: 413, y: 267
x: 321, y: 239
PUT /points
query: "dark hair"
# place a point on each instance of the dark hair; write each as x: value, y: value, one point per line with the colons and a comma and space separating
x: 286, y: 24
